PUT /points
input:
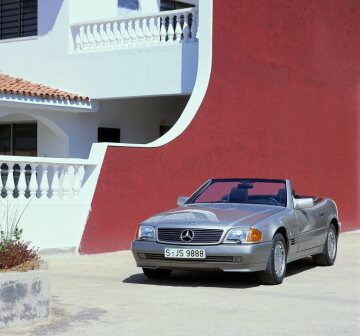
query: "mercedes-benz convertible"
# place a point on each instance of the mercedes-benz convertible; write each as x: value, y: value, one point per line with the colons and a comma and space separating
x: 239, y: 225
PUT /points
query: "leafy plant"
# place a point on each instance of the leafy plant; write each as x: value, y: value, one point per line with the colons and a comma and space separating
x: 13, y: 251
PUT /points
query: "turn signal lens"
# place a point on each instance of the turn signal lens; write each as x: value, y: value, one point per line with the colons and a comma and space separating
x: 254, y: 236
x: 137, y: 232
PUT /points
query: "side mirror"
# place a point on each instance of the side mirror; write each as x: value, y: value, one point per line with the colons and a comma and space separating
x: 181, y: 200
x: 303, y: 203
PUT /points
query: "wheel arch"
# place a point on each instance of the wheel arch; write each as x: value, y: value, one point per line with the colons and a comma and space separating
x: 282, y: 230
x: 335, y: 222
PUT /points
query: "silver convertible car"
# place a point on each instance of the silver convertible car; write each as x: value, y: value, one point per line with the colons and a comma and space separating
x: 239, y: 225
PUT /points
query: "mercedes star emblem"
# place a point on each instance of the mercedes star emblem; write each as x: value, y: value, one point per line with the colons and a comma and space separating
x: 187, y: 235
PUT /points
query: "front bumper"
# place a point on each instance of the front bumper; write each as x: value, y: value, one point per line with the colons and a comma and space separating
x: 225, y: 257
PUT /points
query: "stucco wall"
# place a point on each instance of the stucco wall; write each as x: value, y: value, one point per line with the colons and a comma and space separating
x: 165, y: 70
x: 283, y: 102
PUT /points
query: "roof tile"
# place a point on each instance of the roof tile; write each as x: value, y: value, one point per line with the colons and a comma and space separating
x: 19, y: 86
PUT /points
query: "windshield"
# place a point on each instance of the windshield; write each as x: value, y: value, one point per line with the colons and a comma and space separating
x: 252, y: 191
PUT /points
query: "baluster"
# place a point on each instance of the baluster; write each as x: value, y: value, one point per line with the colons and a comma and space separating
x: 117, y: 34
x: 132, y: 33
x: 33, y: 185
x: 10, y: 183
x: 104, y: 38
x: 84, y: 38
x: 90, y: 38
x: 78, y: 41
x: 146, y: 30
x: 125, y: 34
x: 44, y: 183
x: 77, y: 181
x: 163, y: 32
x: 97, y: 37
x: 139, y: 31
x: 178, y: 30
x: 65, y: 185
x: 171, y: 31
x: 21, y: 187
x: 193, y: 28
x: 110, y: 34
x: 55, y: 185
x: 155, y: 32
x: 186, y: 30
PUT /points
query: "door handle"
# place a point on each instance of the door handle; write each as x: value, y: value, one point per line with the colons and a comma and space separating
x: 321, y: 214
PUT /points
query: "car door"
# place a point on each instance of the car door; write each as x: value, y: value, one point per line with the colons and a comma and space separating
x: 312, y: 224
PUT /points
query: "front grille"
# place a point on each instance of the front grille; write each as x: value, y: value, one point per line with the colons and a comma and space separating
x: 201, y: 236
x: 220, y: 259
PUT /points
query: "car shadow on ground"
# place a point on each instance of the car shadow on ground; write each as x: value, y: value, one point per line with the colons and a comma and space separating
x: 216, y: 278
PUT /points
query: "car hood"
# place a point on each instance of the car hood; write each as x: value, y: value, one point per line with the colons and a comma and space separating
x: 218, y: 215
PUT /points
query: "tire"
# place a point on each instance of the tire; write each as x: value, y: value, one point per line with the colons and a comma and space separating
x: 328, y: 256
x: 276, y: 268
x: 157, y: 274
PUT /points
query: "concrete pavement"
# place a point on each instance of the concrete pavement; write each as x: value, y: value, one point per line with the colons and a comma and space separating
x: 107, y: 295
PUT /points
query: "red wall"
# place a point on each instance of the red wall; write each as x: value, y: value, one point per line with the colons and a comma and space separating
x: 283, y: 102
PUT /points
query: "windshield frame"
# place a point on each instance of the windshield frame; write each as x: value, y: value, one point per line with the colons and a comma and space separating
x: 191, y: 200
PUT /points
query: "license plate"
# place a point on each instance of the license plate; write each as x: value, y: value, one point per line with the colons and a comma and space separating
x: 184, y: 253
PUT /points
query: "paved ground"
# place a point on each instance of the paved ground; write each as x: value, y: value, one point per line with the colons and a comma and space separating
x: 107, y: 295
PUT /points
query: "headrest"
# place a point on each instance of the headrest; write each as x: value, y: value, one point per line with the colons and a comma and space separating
x: 238, y: 195
x: 245, y: 185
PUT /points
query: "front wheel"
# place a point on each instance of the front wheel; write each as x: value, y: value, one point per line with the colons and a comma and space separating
x: 156, y: 273
x: 328, y: 256
x: 276, y: 267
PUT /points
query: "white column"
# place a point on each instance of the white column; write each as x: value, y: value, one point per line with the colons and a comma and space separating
x: 154, y: 29
x: 33, y: 185
x: 178, y: 30
x: 186, y: 30
x: 77, y: 181
x: 10, y: 183
x: 22, y: 181
x: 163, y: 32
x: 125, y: 34
x: 44, y: 183
x: 171, y: 31
x: 132, y: 33
x: 193, y: 29
x: 65, y: 185
x: 117, y: 34
x: 55, y: 185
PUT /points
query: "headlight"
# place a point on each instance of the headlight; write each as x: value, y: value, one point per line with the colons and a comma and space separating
x: 146, y: 232
x: 239, y: 236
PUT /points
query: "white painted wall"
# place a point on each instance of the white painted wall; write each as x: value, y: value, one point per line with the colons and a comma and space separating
x: 166, y: 70
x: 139, y: 119
x: 69, y: 134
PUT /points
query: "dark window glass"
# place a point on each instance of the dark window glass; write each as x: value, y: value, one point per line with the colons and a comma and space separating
x: 5, y: 139
x: 18, y: 139
x: 25, y: 139
x: 106, y: 134
x: 166, y: 5
x: 18, y: 18
x: 129, y: 4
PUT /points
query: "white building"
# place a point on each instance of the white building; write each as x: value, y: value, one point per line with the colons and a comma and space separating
x: 130, y: 67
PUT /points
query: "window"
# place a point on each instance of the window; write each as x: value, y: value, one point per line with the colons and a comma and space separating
x: 106, y: 134
x: 18, y: 139
x: 129, y: 4
x: 18, y: 18
x: 166, y: 5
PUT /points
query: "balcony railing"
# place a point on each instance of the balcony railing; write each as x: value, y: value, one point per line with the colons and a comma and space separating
x: 164, y: 28
x: 43, y: 178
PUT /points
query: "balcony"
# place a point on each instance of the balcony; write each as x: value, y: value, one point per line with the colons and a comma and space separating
x: 164, y: 28
x: 51, y: 198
